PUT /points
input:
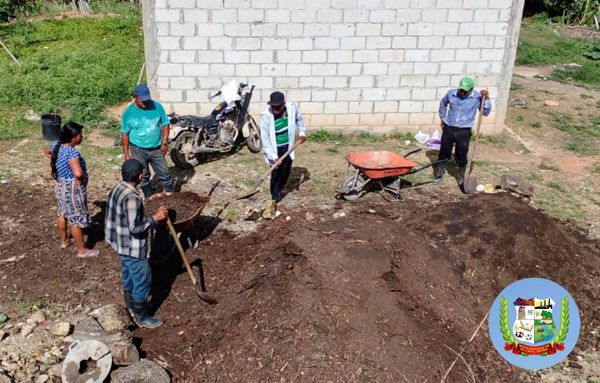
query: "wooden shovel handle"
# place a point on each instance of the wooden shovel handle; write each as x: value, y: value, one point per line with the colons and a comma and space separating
x: 181, y: 252
x: 476, y: 135
x: 280, y: 159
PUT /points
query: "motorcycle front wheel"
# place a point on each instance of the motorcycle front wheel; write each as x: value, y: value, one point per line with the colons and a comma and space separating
x: 253, y: 138
x: 181, y: 152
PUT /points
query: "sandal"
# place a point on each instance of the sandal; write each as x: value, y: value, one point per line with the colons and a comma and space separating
x: 89, y: 253
x: 70, y: 241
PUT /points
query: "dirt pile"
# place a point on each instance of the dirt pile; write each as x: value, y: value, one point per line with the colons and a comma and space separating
x: 182, y: 206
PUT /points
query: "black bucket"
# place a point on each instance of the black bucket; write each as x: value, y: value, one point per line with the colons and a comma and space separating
x: 51, y: 127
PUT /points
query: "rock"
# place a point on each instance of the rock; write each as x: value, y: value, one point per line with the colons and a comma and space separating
x: 41, y: 379
x: 517, y: 102
x: 27, y: 329
x: 4, y: 378
x: 2, y: 334
x: 516, y: 184
x: 144, y: 371
x: 88, y: 329
x: 551, y: 103
x: 252, y: 214
x: 573, y: 66
x: 55, y: 370
x: 339, y: 214
x: 575, y: 365
x: 269, y: 210
x: 110, y: 318
x: 38, y: 317
x: 124, y: 354
x: 61, y: 329
x: 310, y: 216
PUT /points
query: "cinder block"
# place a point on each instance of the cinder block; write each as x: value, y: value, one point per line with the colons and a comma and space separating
x: 352, y: 15
x: 195, y: 43
x: 383, y: 16
x: 168, y: 70
x: 481, y: 42
x: 399, y: 93
x: 408, y: 16
x: 264, y: 4
x: 336, y: 82
x: 160, y: 4
x: 434, y: 15
x: 503, y: 4
x: 475, y: 3
x: 396, y: 118
x: 261, y: 57
x: 452, y: 67
x: 395, y: 29
x: 445, y: 29
x: 430, y: 106
x: 320, y: 120
x: 369, y: 4
x: 397, y: 4
x: 486, y: 15
x: 468, y: 54
x: 421, y: 118
x: 379, y: 42
x: 339, y: 56
x: 311, y: 107
x: 391, y: 55
x: 430, y: 42
x: 221, y: 70
x: 423, y: 3
x: 247, y: 70
x: 210, y: 29
x: 237, y: 30
x: 479, y: 67
x: 167, y: 15
x: 323, y: 95
x: 505, y: 15
x: 385, y: 107
x: 275, y: 70
x: 304, y: 16
x: 492, y: 54
x: 460, y: 15
x: 456, y: 42
x: 294, y: 4
x: 496, y: 29
x: 375, y: 68
x: 209, y: 4
x: 408, y: 42
x: 374, y: 94
x: 500, y: 41
x: 427, y: 68
x: 311, y: 30
x: 349, y: 69
x: 298, y: 95
x: 168, y: 42
x: 329, y: 16
x: 251, y: 16
x: 416, y: 55
x: 210, y: 57
x: 342, y: 30
x: 410, y: 106
x: 471, y: 29
x: 262, y: 30
x: 274, y: 43
x: 413, y: 80
x: 346, y: 119
x: 290, y: 29
x: 195, y: 70
x: 189, y: 4
x: 362, y: 56
x: 162, y: 29
x: 163, y: 57
x: 224, y: 16
x: 182, y: 56
x: 286, y: 57
x: 324, y: 69
x: 170, y: 95
x: 362, y: 81
x: 300, y: 44
x: 326, y: 43
x: 348, y: 95
x: 236, y: 57
x: 185, y: 108
x: 442, y: 55
x: 298, y: 69
x: 424, y: 93
x: 361, y: 107
x: 162, y: 83
x: 311, y: 82
x: 420, y: 29
x: 371, y: 119
x: 436, y: 81
x: 314, y: 56
x: 400, y: 68
x: 261, y: 82
x: 368, y: 29
x: 247, y: 43
x: 286, y: 82
x: 220, y: 43
x: 353, y: 43
x: 237, y: 4
x: 182, y: 82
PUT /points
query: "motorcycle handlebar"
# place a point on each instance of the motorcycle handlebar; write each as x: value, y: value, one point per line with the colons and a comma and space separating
x: 214, y: 95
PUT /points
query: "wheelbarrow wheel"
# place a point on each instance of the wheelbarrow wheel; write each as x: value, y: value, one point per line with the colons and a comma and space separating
x: 353, y: 187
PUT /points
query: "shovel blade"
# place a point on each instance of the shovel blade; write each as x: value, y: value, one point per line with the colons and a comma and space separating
x: 470, y: 185
x: 206, y: 297
x: 247, y: 194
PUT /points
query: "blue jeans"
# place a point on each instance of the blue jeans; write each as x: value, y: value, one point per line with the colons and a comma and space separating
x: 155, y: 158
x: 136, y: 276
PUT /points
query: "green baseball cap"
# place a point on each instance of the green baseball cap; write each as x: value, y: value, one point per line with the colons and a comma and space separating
x: 466, y: 84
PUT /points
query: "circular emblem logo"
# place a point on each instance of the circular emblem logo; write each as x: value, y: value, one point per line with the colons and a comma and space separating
x: 534, y: 323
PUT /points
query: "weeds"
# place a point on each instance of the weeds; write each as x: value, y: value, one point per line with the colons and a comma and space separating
x: 535, y: 124
x: 322, y: 135
x: 520, y: 118
x: 547, y: 165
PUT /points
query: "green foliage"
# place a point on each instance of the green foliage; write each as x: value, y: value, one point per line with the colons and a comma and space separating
x: 76, y: 67
x: 10, y: 9
x: 322, y: 135
x: 573, y: 11
x: 370, y: 137
x: 535, y: 124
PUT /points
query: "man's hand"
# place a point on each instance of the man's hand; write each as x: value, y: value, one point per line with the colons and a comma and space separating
x: 485, y: 94
x: 161, y: 213
x: 164, y: 148
x: 302, y: 139
x: 127, y: 156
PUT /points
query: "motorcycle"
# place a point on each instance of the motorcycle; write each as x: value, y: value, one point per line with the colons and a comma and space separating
x: 194, y: 138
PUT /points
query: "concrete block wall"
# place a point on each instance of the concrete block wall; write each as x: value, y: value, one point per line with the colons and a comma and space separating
x: 373, y: 65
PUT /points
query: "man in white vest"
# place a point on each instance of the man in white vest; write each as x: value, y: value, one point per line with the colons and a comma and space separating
x: 278, y: 126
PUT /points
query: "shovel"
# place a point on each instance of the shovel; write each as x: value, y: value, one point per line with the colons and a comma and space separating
x: 201, y: 293
x: 470, y: 183
x: 264, y: 176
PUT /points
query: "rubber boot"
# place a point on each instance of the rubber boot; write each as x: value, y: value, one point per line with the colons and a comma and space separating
x: 439, y: 173
x: 128, y: 301
x: 142, y: 318
x: 461, y: 175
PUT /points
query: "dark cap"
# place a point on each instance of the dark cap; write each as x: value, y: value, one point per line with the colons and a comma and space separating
x: 142, y: 92
x: 131, y: 170
x: 277, y: 99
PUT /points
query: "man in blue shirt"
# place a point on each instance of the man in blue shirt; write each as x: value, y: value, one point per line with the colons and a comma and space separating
x: 144, y: 135
x: 457, y: 114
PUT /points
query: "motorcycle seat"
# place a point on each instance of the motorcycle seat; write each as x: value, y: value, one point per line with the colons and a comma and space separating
x: 195, y: 121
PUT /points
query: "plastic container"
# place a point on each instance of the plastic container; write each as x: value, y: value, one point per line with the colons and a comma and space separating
x: 51, y: 127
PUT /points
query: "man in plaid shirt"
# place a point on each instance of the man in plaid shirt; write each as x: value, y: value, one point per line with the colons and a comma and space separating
x: 127, y: 231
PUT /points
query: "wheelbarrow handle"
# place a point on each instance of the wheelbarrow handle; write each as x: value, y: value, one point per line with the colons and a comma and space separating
x: 413, y: 152
x: 423, y: 167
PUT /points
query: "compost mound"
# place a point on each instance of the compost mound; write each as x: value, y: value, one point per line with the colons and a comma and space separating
x: 182, y: 206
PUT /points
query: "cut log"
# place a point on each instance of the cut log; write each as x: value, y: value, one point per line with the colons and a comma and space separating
x: 124, y: 353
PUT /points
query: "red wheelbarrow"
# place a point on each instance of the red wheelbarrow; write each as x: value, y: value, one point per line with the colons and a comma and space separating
x: 379, y: 171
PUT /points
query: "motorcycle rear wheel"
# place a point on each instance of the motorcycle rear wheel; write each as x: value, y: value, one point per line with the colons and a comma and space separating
x: 181, y: 159
x: 253, y: 139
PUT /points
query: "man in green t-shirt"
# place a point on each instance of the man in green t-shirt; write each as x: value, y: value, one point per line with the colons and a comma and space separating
x: 144, y: 135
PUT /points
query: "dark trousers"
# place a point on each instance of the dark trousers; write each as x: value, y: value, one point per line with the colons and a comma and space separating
x: 280, y: 175
x: 155, y: 158
x: 460, y: 137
